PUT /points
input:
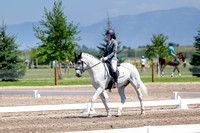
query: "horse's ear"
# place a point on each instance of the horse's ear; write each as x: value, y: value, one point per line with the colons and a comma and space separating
x: 80, y: 55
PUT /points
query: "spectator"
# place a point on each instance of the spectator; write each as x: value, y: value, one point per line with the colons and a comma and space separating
x: 142, y: 61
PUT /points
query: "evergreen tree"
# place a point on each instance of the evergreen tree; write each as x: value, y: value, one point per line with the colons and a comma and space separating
x: 102, y: 46
x: 11, y: 67
x: 58, y: 37
x: 196, y: 56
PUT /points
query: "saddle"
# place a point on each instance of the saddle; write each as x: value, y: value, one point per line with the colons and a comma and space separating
x: 111, y: 72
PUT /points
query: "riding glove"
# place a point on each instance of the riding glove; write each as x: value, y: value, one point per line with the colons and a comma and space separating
x: 104, y: 59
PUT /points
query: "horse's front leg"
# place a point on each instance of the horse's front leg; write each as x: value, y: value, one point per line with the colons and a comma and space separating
x: 97, y: 93
x: 123, y: 99
x: 105, y: 104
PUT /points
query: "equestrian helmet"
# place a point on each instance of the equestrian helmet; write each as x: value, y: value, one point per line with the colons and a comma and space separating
x: 110, y: 32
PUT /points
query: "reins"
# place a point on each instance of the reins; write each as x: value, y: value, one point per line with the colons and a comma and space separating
x: 93, y: 65
x: 82, y: 69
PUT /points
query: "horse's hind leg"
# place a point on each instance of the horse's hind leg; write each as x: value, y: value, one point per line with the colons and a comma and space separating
x: 162, y: 70
x: 139, y: 94
x: 123, y: 99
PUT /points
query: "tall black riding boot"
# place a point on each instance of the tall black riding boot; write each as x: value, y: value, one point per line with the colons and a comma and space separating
x: 115, y: 77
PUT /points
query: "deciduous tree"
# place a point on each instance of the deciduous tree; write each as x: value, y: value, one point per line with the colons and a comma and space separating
x: 159, y: 47
x: 58, y: 36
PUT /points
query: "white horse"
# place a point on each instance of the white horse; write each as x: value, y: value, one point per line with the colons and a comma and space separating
x: 100, y: 78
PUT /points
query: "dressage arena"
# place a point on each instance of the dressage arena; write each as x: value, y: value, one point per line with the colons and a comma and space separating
x: 74, y: 120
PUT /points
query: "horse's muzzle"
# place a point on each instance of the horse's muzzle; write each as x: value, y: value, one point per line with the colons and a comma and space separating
x: 78, y: 75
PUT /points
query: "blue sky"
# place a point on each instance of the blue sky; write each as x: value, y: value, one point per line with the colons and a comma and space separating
x: 85, y: 12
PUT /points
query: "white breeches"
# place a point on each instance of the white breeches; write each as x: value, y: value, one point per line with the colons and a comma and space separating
x: 114, y: 65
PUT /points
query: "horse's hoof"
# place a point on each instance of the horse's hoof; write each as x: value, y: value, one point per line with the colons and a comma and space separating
x: 109, y: 115
x: 119, y: 113
x: 172, y: 74
x: 90, y: 116
x: 142, y: 114
x: 92, y: 111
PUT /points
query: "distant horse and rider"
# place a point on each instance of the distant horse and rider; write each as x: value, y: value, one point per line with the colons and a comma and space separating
x: 173, y: 61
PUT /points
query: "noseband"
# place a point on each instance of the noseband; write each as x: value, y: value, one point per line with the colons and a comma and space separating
x: 82, y: 68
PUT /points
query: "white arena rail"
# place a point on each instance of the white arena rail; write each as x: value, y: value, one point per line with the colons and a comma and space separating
x: 42, y: 108
x: 86, y: 107
x: 185, y: 94
x: 16, y: 92
x: 180, y: 103
x: 178, y: 95
x: 36, y: 93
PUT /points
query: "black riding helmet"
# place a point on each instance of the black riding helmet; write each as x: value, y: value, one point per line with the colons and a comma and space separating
x: 110, y: 32
x: 170, y: 44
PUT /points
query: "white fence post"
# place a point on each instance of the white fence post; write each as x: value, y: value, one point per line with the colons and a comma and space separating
x: 35, y: 94
x: 182, y: 104
x: 174, y: 95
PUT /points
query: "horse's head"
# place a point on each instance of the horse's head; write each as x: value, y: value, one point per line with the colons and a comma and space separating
x: 80, y: 65
x: 181, y: 56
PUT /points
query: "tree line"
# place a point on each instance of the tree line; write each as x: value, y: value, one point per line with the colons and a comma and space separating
x: 58, y: 40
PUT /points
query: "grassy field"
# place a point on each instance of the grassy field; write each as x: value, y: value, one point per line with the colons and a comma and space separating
x: 45, y: 77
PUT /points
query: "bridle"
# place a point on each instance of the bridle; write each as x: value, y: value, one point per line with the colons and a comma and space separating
x: 82, y: 69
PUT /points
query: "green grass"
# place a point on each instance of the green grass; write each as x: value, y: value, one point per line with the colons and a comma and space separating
x: 45, y: 77
x: 47, y: 82
x: 171, y: 79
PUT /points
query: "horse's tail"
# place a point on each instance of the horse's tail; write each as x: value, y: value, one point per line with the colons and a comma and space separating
x: 143, y: 89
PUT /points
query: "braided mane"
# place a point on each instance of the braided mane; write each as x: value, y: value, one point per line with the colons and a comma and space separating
x: 86, y: 54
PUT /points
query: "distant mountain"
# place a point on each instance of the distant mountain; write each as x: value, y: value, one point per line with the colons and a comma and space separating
x: 180, y: 24
x: 24, y: 33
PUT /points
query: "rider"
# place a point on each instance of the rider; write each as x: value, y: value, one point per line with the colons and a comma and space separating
x: 110, y: 54
x: 172, y: 52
